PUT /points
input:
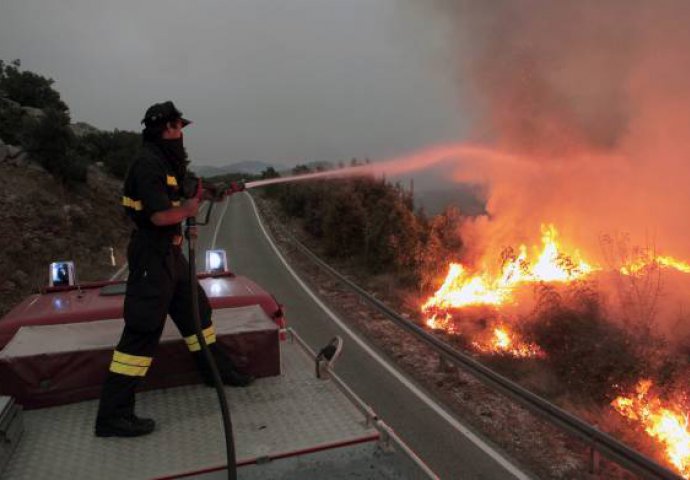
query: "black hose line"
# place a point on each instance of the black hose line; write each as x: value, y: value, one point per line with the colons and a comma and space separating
x: 217, y: 381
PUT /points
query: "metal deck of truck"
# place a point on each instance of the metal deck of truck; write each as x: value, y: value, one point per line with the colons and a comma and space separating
x: 288, y: 426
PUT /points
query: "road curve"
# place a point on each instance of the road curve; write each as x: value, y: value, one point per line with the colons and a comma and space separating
x: 451, y: 449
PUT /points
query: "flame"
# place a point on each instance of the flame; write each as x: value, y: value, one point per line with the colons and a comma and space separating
x: 666, y: 423
x: 552, y: 265
x: 506, y: 342
x: 550, y: 262
x: 665, y: 261
x: 671, y: 262
x: 461, y: 288
x: 441, y: 323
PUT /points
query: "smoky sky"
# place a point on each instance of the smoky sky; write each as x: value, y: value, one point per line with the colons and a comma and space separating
x: 277, y: 81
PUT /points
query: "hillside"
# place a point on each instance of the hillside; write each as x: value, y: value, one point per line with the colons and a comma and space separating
x: 61, y: 188
x: 43, y: 222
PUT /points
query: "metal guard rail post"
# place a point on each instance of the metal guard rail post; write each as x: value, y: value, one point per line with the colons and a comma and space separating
x: 596, y: 439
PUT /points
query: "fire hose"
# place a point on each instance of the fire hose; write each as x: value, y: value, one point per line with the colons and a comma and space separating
x: 199, y: 189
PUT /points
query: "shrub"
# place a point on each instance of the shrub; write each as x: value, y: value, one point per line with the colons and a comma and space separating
x: 50, y: 142
x: 11, y: 123
x: 441, y: 245
x: 362, y: 218
x: 587, y: 351
x: 343, y: 223
x: 115, y: 149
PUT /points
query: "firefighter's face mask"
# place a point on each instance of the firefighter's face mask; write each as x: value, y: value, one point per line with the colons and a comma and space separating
x: 173, y: 130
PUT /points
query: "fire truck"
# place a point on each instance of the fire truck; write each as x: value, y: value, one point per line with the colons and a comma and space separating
x: 298, y: 420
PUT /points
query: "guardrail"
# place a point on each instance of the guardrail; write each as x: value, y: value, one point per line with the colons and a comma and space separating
x: 598, y: 441
x: 372, y: 419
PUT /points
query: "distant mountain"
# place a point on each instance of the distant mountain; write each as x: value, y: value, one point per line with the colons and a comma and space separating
x: 252, y: 168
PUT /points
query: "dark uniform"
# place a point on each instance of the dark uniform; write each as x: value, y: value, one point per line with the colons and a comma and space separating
x: 158, y: 284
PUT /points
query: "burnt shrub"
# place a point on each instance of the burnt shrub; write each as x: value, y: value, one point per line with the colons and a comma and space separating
x: 591, y: 355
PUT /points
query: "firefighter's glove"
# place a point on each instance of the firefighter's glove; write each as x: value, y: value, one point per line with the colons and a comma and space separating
x: 236, y: 187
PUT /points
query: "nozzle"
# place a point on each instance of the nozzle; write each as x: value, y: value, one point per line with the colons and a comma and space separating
x: 238, y: 186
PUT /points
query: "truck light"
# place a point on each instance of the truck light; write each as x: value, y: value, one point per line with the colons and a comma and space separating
x: 216, y: 261
x: 62, y: 274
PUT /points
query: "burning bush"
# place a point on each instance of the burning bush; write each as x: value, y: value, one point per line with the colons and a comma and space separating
x: 662, y: 417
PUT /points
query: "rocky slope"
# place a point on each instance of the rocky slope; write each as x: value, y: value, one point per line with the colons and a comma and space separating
x: 42, y: 222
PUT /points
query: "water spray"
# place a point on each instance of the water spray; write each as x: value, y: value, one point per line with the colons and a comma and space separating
x: 400, y: 165
x: 344, y: 172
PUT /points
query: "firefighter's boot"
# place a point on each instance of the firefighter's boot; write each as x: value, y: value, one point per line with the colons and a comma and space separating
x: 124, y: 426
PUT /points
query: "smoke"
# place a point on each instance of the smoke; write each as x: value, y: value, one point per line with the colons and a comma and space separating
x: 593, y: 97
x: 551, y: 75
x: 591, y: 100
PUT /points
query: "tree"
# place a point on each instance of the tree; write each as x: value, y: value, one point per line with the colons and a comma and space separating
x: 371, y: 222
x: 50, y: 141
x: 441, y: 245
x: 11, y: 123
x: 28, y: 88
x: 301, y: 170
x: 344, y: 222
x: 269, y: 172
x: 115, y: 149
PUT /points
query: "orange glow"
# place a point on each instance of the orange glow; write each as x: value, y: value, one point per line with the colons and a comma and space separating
x: 506, y: 342
x: 667, y: 423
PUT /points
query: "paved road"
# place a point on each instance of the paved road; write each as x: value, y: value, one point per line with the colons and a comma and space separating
x: 440, y: 444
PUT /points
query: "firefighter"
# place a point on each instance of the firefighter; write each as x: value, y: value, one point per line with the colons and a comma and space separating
x: 158, y: 282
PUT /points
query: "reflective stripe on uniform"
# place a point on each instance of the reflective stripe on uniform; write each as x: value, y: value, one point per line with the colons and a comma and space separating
x: 171, y: 181
x: 193, y: 342
x: 130, y: 203
x: 131, y: 365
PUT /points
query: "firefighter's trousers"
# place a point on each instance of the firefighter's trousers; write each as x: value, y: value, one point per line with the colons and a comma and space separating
x: 158, y: 285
